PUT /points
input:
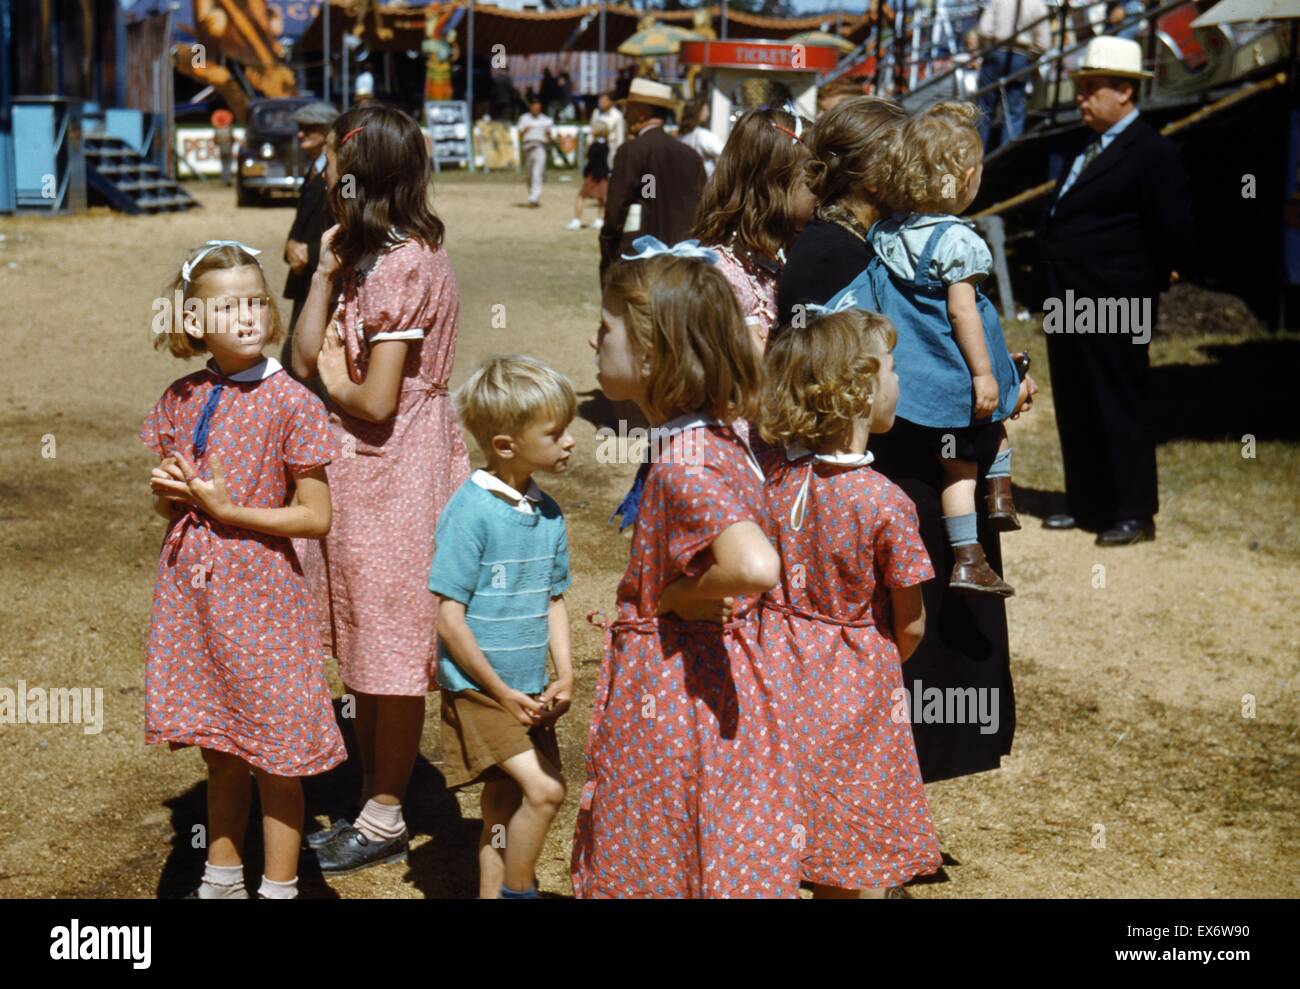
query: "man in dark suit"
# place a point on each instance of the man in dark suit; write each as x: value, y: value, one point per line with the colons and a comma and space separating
x: 312, y: 219
x: 656, y: 181
x: 1116, y: 232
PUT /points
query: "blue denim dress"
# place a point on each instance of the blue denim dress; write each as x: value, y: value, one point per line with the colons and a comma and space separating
x: 934, y: 382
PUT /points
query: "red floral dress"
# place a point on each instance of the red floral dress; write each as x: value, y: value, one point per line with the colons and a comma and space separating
x: 865, y: 813
x: 392, y: 479
x: 235, y: 662
x: 691, y: 789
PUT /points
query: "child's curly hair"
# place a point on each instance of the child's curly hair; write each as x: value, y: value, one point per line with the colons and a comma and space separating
x: 823, y: 377
x: 937, y: 147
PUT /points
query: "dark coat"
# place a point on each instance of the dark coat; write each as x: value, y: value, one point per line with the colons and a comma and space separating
x: 669, y: 213
x: 1124, y: 225
x: 310, y: 222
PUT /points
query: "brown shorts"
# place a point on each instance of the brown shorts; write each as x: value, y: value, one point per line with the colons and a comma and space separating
x: 478, y: 734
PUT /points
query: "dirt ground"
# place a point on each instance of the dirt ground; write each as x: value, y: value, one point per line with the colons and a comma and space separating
x: 1137, y: 770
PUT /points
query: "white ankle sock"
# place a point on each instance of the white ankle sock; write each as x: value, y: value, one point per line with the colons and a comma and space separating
x: 272, y: 890
x: 222, y: 882
x: 380, y: 822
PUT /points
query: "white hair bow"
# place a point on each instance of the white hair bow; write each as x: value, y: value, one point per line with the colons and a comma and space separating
x: 187, y: 269
x: 847, y: 301
x: 651, y: 247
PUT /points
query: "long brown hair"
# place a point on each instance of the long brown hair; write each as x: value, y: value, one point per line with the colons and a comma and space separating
x: 682, y: 314
x: 748, y: 197
x: 383, y: 183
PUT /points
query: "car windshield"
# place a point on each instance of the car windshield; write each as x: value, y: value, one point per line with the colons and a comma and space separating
x: 275, y: 119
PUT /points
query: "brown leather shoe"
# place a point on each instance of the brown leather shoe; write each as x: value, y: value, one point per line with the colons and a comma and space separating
x: 971, y: 573
x: 1002, y: 508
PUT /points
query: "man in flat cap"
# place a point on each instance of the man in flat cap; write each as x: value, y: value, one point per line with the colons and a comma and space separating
x: 1117, y: 230
x: 312, y: 219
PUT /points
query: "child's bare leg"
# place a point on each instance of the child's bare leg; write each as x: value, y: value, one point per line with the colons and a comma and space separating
x: 577, y: 208
x: 958, y: 494
x: 543, y: 793
x: 281, y: 824
x: 398, y: 726
x: 363, y: 726
x: 229, y: 795
x: 500, y: 800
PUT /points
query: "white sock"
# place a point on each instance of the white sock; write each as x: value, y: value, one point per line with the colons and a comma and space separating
x: 222, y: 882
x: 271, y: 890
x: 380, y: 822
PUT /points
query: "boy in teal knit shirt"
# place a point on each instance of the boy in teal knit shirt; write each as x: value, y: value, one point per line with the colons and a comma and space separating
x: 500, y: 571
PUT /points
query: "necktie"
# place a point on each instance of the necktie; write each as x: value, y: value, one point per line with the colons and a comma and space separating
x: 629, y: 507
x: 205, y: 419
x: 1090, y: 154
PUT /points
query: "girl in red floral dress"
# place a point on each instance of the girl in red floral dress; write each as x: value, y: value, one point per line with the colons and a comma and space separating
x: 848, y: 609
x: 235, y: 663
x: 691, y: 790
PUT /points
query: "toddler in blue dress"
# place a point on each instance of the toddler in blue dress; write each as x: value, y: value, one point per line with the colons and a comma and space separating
x: 957, y: 381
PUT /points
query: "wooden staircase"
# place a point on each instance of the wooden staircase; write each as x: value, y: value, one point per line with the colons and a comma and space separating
x: 119, y: 176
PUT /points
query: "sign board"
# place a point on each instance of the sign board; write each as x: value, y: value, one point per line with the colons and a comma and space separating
x: 759, y: 56
x: 448, y: 126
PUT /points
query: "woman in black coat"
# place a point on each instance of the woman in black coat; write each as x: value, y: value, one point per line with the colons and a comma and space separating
x: 958, y: 731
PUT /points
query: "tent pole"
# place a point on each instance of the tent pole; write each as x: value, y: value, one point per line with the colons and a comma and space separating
x: 600, y: 85
x: 724, y: 20
x: 469, y: 82
x: 325, y: 44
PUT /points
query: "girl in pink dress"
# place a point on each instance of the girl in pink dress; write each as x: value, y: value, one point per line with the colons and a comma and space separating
x: 754, y: 205
x: 235, y: 664
x: 848, y: 609
x: 384, y: 352
x: 691, y: 790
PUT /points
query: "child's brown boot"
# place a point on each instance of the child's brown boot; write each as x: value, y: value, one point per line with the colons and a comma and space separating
x: 971, y: 573
x: 1001, y: 506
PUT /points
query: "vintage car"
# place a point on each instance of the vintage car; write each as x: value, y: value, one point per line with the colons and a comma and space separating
x: 270, y: 161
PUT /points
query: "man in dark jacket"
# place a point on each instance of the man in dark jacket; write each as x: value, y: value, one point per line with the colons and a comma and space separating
x: 656, y: 181
x: 312, y: 219
x: 1116, y: 232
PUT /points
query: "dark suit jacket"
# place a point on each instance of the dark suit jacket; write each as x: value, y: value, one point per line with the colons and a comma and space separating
x: 670, y: 213
x: 1124, y: 225
x: 309, y: 224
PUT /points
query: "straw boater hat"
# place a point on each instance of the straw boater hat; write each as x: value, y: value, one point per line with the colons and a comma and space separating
x: 1107, y: 56
x: 652, y: 93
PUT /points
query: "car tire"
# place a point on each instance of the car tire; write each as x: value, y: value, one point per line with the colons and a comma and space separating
x: 243, y: 197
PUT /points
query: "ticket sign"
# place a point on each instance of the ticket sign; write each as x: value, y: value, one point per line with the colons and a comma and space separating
x: 760, y: 55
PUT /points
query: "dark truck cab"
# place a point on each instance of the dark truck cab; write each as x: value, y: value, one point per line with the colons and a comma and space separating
x: 270, y: 161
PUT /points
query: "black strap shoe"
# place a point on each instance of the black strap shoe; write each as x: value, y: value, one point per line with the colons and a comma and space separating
x: 351, y: 851
x: 318, y: 838
x: 1126, y: 532
x: 1059, y: 521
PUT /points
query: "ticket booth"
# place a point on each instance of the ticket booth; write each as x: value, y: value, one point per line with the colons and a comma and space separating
x: 727, y: 64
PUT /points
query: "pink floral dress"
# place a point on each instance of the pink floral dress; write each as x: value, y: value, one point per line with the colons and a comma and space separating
x: 392, y: 479
x: 235, y: 662
x: 846, y: 535
x: 755, y: 283
x: 691, y: 789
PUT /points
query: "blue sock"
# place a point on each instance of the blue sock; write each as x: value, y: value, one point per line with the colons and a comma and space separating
x: 514, y: 894
x: 961, y: 529
x: 1001, y: 464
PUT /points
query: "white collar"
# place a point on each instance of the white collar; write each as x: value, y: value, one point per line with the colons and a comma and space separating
x: 692, y: 421
x: 258, y: 372
x: 797, y: 451
x: 520, y: 502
